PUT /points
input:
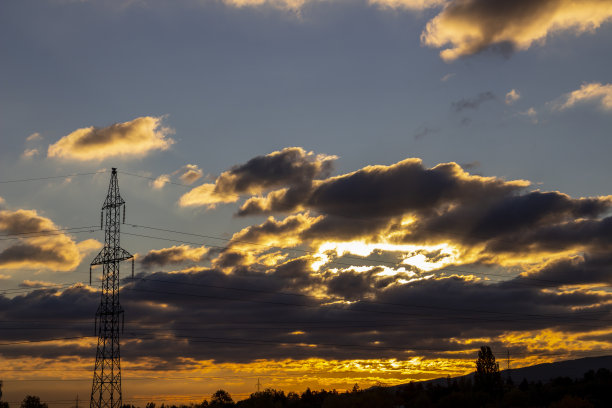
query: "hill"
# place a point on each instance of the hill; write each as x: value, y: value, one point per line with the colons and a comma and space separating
x: 574, y: 369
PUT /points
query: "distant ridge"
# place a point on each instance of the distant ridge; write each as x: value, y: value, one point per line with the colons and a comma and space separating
x: 543, y: 372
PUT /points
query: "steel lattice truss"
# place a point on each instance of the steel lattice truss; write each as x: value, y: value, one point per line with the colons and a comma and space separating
x: 106, y: 387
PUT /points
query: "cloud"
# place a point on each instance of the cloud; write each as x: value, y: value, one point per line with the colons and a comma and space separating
x: 472, y: 103
x: 135, y: 138
x: 30, y: 153
x: 512, y: 97
x: 189, y: 173
x: 372, y: 257
x: 160, y: 182
x: 467, y: 27
x: 574, y: 233
x: 408, y: 4
x: 211, y: 315
x: 290, y: 166
x: 33, y: 137
x: 299, y: 4
x: 532, y: 114
x: 481, y: 219
x: 33, y: 249
x: 424, y: 131
x: 385, y: 191
x: 37, y: 284
x: 572, y: 270
x: 247, y: 244
x: 280, y: 4
x: 447, y: 77
x: 594, y: 92
x: 173, y: 255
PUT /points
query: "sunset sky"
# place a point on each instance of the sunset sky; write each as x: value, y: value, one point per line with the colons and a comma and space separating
x: 319, y: 192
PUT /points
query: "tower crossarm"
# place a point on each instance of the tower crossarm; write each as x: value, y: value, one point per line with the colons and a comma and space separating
x: 108, y: 255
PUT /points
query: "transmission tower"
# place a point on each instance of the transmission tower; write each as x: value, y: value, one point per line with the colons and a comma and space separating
x: 106, y: 387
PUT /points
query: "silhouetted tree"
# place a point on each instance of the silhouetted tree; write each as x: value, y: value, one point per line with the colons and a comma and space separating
x: 2, y: 403
x: 487, y: 377
x: 221, y: 399
x: 32, y: 401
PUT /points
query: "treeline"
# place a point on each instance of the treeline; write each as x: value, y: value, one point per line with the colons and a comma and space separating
x: 594, y: 390
x: 488, y: 389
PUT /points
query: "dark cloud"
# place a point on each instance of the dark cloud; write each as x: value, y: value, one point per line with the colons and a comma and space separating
x: 473, y: 103
x: 594, y: 234
x: 446, y: 203
x: 509, y: 221
x: 23, y: 222
x: 573, y: 270
x: 18, y: 253
x: 354, y: 285
x: 291, y: 166
x: 386, y: 191
x: 208, y: 314
x: 173, y: 255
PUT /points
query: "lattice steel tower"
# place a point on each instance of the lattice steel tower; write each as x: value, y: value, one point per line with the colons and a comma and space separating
x: 106, y: 387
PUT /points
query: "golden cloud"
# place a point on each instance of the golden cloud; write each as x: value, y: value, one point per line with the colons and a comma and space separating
x: 260, y: 243
x: 593, y: 92
x: 467, y: 27
x: 55, y: 251
x: 29, y: 153
x: 136, y: 138
x: 189, y: 173
x: 34, y: 136
x: 160, y: 182
x: 512, y: 96
x: 205, y: 195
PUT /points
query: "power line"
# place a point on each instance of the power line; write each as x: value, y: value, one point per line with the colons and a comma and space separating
x: 301, y: 344
x: 153, y: 178
x: 51, y: 177
x: 526, y: 316
x: 11, y: 343
x: 48, y: 231
x: 336, y: 262
x: 315, y: 298
x: 520, y: 280
x: 311, y: 252
x: 35, y: 235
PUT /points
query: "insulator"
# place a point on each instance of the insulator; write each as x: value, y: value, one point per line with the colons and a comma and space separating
x: 101, y: 218
x: 132, y: 268
x: 124, y: 213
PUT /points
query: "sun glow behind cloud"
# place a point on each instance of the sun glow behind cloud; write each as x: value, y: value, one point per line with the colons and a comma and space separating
x: 424, y: 257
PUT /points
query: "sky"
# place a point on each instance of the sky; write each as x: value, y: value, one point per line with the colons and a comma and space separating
x: 318, y: 193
